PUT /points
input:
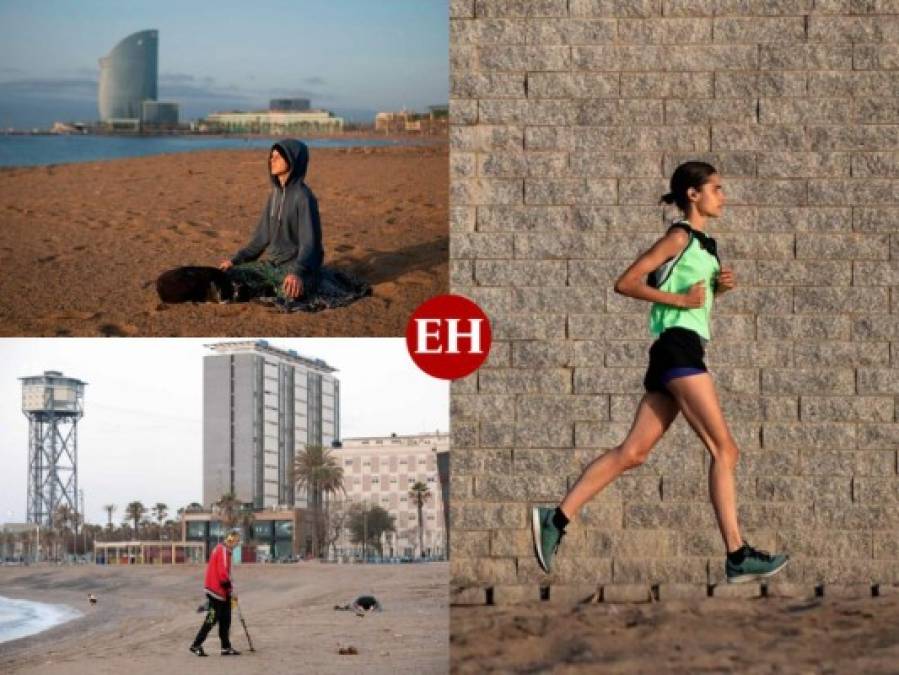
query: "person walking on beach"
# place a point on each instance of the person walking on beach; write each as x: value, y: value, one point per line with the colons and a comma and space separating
x: 220, y: 592
x: 289, y: 228
x: 680, y: 274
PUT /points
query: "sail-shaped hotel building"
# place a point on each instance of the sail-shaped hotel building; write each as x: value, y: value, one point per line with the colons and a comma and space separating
x: 129, y: 76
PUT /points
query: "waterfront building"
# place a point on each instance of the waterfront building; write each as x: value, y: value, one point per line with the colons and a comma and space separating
x: 276, y: 122
x: 260, y: 405
x: 380, y: 470
x: 128, y: 77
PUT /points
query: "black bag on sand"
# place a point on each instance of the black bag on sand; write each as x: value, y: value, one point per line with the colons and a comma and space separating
x: 195, y: 284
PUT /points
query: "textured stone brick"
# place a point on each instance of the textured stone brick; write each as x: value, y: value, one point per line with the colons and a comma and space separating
x: 776, y: 83
x: 876, y: 490
x: 665, y: 58
x: 520, y: 273
x: 570, y: 594
x: 803, y: 327
x: 819, y: 300
x: 461, y: 9
x: 788, y: 111
x: 481, y: 460
x: 572, y: 32
x: 478, y: 571
x: 846, y: 409
x: 875, y: 164
x: 486, y: 516
x: 665, y: 31
x: 878, y: 381
x: 515, y: 594
x: 669, y: 85
x: 733, y: 110
x: 806, y: 57
x: 573, y: 85
x: 803, y: 165
x: 616, y: 8
x: 487, y: 85
x: 800, y: 381
x: 853, y: 29
x: 619, y: 139
x: 519, y: 8
x: 487, y: 31
x: 736, y: 7
x: 729, y: 137
x: 523, y: 57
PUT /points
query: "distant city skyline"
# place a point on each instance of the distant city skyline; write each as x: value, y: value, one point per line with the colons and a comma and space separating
x: 350, y: 56
x: 141, y: 437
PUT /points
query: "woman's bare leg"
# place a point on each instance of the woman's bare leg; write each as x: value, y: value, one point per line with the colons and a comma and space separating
x: 698, y: 401
x: 654, y: 415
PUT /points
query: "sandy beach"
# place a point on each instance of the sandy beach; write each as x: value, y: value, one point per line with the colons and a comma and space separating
x: 714, y: 635
x: 146, y: 617
x: 81, y: 245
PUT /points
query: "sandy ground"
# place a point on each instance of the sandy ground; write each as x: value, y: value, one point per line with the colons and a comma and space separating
x: 145, y: 619
x: 81, y: 245
x: 714, y: 635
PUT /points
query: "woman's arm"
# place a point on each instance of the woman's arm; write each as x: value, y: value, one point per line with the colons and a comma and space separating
x: 632, y: 281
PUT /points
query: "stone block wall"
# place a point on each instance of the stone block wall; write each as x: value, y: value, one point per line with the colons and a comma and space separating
x: 567, y: 118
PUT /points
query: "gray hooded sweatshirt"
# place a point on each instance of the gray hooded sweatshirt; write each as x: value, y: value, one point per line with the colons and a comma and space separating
x: 289, y: 227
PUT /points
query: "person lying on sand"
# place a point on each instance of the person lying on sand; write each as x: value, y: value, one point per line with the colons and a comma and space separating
x: 361, y: 605
x: 289, y: 228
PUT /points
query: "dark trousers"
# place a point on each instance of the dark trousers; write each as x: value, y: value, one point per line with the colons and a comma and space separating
x: 219, y: 612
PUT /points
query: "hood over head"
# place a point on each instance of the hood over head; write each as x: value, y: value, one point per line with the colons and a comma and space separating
x: 297, y: 155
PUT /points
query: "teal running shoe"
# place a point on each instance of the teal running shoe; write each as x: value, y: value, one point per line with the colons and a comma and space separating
x: 546, y: 535
x: 756, y: 565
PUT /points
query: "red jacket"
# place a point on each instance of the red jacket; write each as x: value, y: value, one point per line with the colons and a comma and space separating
x: 218, y: 573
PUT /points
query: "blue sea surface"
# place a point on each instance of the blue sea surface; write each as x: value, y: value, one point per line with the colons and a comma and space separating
x: 27, y: 150
x: 19, y: 618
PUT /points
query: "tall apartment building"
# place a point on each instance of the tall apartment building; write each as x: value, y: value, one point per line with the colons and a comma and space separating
x: 381, y: 469
x: 260, y: 405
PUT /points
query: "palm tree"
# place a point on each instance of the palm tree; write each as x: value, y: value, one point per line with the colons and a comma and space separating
x: 419, y: 493
x: 109, y: 508
x: 160, y: 511
x: 61, y: 518
x: 228, y: 506
x: 136, y: 511
x: 316, y: 470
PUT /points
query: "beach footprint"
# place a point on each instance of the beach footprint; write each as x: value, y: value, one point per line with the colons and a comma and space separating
x: 117, y: 329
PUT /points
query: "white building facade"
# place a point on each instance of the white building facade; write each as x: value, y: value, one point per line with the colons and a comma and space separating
x: 380, y: 470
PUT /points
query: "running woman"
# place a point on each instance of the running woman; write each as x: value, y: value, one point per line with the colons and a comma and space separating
x: 680, y: 274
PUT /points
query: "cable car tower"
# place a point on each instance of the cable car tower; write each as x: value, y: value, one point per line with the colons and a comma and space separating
x: 53, y: 405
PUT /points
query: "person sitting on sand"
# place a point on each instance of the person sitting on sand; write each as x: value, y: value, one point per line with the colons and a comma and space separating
x: 289, y: 229
x: 220, y: 592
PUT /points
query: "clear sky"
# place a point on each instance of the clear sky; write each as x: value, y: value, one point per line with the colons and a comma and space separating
x: 141, y: 437
x: 352, y: 56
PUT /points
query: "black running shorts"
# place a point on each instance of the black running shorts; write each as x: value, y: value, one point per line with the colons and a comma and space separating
x: 676, y: 347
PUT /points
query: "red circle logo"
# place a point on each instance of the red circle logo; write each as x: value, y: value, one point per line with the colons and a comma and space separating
x: 448, y: 336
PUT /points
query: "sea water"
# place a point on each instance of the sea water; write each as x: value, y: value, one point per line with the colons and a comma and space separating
x: 28, y: 150
x: 19, y: 618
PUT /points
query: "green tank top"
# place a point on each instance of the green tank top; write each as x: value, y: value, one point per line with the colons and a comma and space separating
x: 697, y: 262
